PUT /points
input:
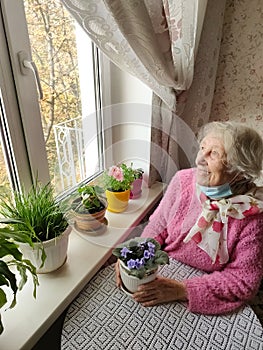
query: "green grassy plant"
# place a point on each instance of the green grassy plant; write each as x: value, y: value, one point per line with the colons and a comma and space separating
x: 34, y: 213
x: 25, y: 217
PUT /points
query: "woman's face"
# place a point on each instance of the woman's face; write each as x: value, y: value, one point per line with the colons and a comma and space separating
x: 210, y: 162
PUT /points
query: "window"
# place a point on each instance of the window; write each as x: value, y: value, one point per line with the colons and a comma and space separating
x: 5, y: 180
x: 52, y: 70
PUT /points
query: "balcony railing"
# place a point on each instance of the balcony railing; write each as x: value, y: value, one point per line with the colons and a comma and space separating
x: 70, y: 152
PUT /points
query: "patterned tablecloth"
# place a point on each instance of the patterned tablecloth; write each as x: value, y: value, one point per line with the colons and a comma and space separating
x: 104, y: 317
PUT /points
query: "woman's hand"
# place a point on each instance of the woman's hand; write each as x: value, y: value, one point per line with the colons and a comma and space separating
x: 117, y: 275
x: 161, y: 290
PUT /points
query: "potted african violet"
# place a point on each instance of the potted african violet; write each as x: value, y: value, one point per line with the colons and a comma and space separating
x: 36, y: 216
x: 88, y: 209
x: 139, y: 259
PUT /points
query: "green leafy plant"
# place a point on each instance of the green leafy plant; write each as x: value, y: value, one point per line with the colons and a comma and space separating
x: 141, y: 255
x: 90, y: 200
x: 138, y: 173
x: 118, y: 178
x: 11, y: 259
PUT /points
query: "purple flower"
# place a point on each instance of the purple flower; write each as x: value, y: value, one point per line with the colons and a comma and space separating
x: 131, y: 264
x: 151, y: 246
x: 125, y: 251
x: 147, y: 254
x: 135, y: 264
x: 139, y: 263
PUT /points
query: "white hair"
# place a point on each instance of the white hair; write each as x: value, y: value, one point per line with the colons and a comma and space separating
x: 243, y: 146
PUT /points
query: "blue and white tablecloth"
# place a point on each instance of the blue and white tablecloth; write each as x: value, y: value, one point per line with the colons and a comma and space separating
x: 104, y: 317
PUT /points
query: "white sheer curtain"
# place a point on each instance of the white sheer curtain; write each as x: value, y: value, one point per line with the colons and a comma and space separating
x: 154, y: 40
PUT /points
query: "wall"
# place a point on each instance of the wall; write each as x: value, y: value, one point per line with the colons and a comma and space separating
x: 129, y: 110
x: 239, y: 84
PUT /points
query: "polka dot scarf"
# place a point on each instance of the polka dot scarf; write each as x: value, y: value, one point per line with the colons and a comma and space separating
x: 210, y: 230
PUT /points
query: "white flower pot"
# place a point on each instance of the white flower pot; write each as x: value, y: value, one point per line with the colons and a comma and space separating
x: 131, y: 283
x: 55, y: 249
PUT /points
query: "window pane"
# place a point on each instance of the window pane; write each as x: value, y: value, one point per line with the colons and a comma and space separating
x: 4, y: 178
x: 5, y: 185
x: 63, y: 56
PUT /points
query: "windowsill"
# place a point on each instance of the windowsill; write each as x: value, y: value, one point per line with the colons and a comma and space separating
x: 30, y: 319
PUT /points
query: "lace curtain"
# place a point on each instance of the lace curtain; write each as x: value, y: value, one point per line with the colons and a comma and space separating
x: 155, y: 41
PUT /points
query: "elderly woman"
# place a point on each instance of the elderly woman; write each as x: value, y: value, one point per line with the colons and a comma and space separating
x: 211, y: 218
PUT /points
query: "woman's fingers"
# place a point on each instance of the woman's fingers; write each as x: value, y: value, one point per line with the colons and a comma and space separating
x: 161, y: 290
x: 144, y: 296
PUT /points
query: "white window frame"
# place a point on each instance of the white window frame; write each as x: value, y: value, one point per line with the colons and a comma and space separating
x: 27, y: 98
x: 20, y: 97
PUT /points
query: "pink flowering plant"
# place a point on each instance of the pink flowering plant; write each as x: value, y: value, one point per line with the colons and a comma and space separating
x: 140, y: 256
x: 118, y: 178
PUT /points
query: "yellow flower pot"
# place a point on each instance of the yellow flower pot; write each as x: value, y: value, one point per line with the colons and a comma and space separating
x: 117, y: 201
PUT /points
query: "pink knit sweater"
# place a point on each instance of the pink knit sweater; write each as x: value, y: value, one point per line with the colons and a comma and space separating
x: 224, y: 287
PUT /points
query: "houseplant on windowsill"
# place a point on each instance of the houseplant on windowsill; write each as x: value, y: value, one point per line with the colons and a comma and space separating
x: 136, y: 187
x: 117, y: 182
x: 37, y: 215
x: 11, y: 261
x: 88, y: 209
x: 139, y: 259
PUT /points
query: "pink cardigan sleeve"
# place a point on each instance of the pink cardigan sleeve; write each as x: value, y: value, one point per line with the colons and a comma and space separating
x: 226, y: 290
x: 157, y: 225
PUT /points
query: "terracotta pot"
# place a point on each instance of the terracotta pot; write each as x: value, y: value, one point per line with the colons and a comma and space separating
x: 117, y: 201
x: 136, y: 189
x: 91, y: 222
x: 86, y: 222
x: 131, y: 283
x: 55, y: 249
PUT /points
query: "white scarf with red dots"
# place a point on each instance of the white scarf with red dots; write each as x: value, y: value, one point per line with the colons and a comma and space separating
x: 210, y: 230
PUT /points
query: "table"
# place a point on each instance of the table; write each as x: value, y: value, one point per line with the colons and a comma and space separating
x: 104, y: 317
